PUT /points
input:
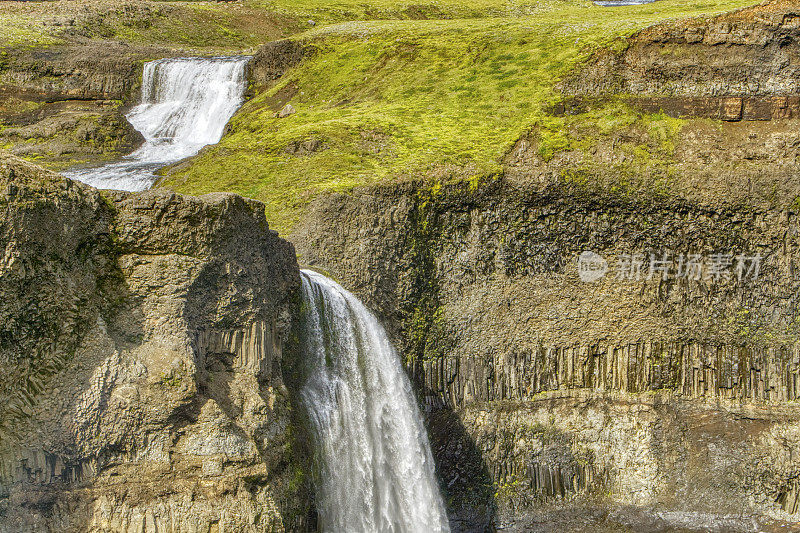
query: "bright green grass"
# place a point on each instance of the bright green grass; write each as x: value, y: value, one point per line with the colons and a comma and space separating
x: 330, y: 11
x: 21, y: 30
x: 211, y: 26
x: 205, y: 25
x: 447, y: 97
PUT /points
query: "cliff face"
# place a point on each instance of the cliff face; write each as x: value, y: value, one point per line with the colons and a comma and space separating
x: 737, y: 66
x: 66, y: 103
x: 630, y: 400
x: 272, y: 60
x: 141, y: 358
x: 89, y: 71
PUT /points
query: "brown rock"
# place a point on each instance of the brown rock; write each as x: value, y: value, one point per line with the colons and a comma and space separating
x: 141, y: 353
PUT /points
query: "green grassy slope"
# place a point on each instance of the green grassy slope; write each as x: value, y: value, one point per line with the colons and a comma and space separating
x: 397, y: 99
x: 235, y: 26
x: 195, y: 25
x: 331, y: 11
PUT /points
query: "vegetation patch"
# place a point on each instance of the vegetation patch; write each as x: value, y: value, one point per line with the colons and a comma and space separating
x: 218, y: 26
x: 450, y: 98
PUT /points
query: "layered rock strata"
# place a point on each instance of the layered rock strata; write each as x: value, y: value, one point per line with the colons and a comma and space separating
x: 737, y: 66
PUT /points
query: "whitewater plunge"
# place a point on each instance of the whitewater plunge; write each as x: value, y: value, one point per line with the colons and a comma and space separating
x: 376, y: 470
x: 185, y: 105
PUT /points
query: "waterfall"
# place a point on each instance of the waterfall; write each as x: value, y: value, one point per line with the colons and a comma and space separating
x: 375, y: 468
x: 185, y: 105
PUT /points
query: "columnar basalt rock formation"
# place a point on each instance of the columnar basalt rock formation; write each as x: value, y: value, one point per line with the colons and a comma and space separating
x: 637, y: 394
x: 634, y: 401
x: 141, y: 352
x: 146, y: 356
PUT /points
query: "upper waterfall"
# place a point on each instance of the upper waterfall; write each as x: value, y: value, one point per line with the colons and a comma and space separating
x: 376, y: 471
x: 185, y: 105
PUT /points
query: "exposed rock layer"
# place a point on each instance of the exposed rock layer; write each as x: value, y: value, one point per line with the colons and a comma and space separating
x: 92, y: 71
x: 67, y: 102
x: 695, y: 66
x: 141, y: 360
x: 272, y: 60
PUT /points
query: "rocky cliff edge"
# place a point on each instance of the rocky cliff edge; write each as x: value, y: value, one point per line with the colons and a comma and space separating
x: 141, y: 346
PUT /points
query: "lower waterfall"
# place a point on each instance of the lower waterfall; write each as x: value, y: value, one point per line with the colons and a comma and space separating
x: 375, y: 468
x: 185, y: 105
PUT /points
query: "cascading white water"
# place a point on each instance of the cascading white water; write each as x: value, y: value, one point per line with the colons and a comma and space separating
x: 376, y: 470
x: 186, y: 103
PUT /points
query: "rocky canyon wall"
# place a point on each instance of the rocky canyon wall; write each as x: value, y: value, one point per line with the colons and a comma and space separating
x: 141, y: 362
x: 658, y: 399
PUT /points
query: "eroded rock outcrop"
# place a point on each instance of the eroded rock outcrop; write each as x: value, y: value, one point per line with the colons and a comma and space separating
x: 737, y: 66
x: 67, y: 102
x: 141, y: 358
x: 272, y: 60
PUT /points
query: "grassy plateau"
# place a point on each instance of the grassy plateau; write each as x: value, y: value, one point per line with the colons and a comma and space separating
x: 435, y: 98
x: 432, y: 89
